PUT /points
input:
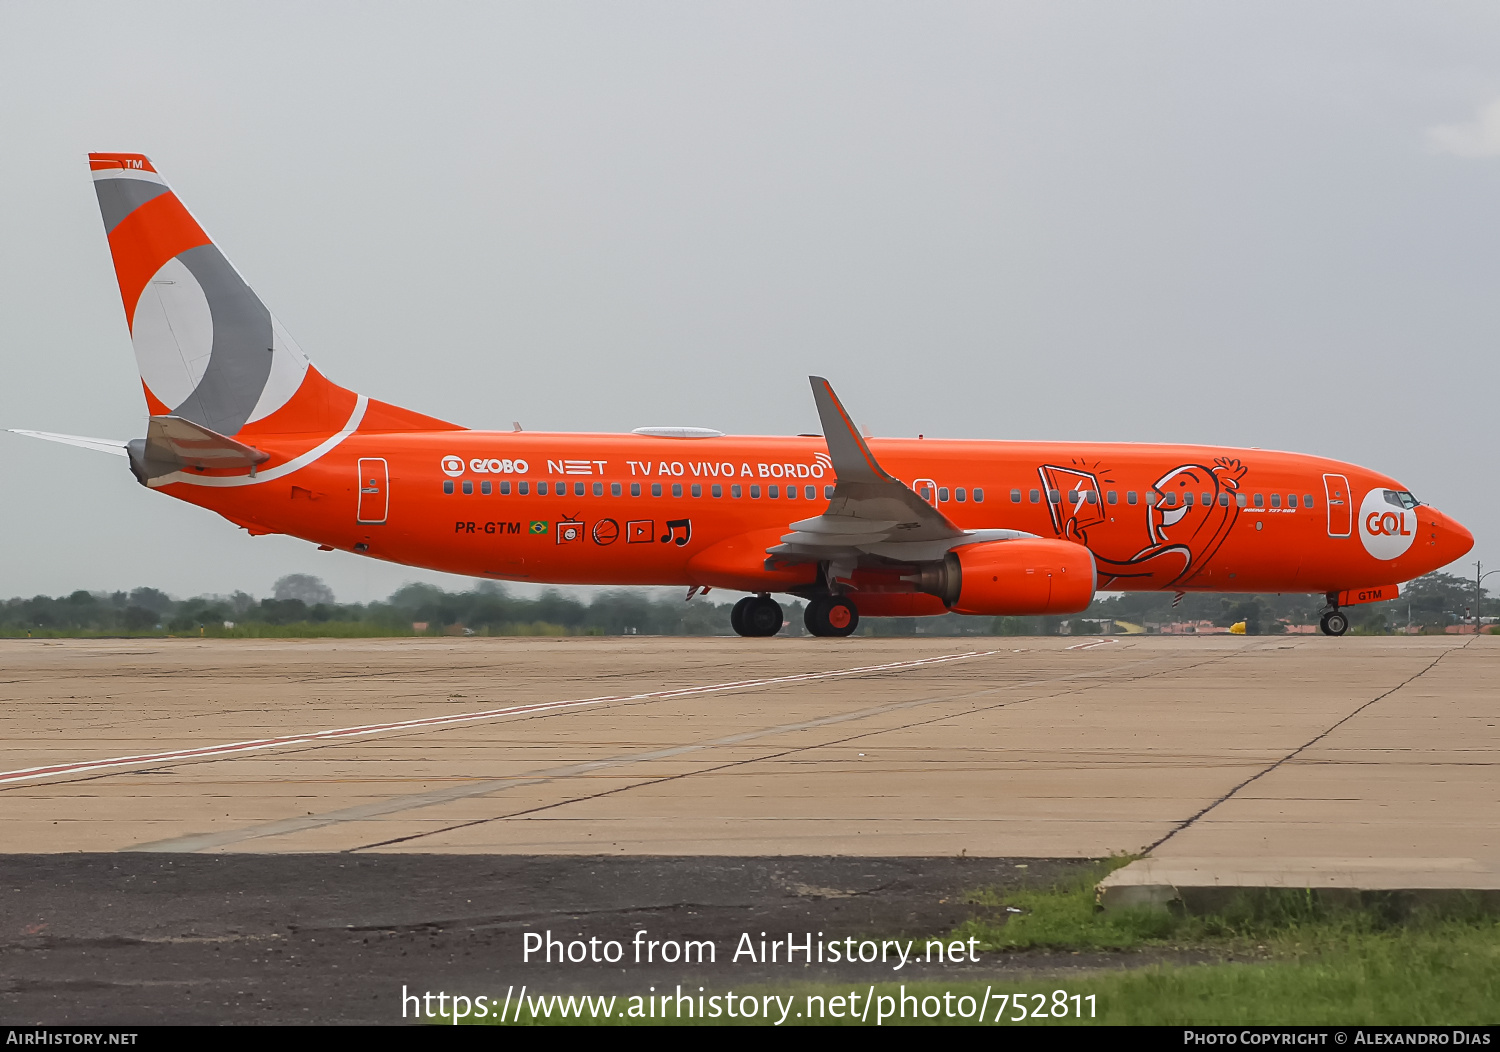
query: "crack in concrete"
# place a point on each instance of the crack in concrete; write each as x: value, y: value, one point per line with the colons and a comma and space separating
x: 1187, y: 823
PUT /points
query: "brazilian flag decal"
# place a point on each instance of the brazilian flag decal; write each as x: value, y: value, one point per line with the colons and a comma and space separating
x: 539, y: 526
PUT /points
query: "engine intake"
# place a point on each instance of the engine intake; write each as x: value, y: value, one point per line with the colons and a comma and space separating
x: 1028, y: 575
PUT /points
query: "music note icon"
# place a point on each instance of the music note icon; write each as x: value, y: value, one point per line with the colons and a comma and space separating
x: 673, y: 525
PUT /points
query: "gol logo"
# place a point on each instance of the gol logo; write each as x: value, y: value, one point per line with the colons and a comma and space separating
x: 453, y: 466
x: 1385, y: 529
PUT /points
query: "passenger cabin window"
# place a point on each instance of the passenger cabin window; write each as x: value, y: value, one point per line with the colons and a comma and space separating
x: 1260, y: 500
x: 1015, y: 496
x: 541, y: 489
x: 635, y: 489
x: 1276, y: 500
x: 577, y: 488
x: 656, y: 489
x: 676, y: 489
x: 772, y: 492
x: 791, y: 493
x: 810, y: 492
x: 599, y: 489
x: 736, y: 491
x: 960, y: 495
x: 1130, y: 496
x: 827, y: 492
x: 448, y: 486
x: 1291, y: 500
x: 614, y: 489
x: 1168, y: 500
x: 1054, y: 497
x: 979, y: 496
x: 1239, y: 498
x: 755, y: 493
x: 1112, y: 497
x: 697, y: 490
x: 925, y: 492
x: 1307, y: 501
x: 1187, y: 500
x: 484, y: 487
x: 1208, y: 498
x: 942, y: 493
x: 1036, y: 496
x: 718, y: 490
x: 522, y: 488
x: 505, y: 488
x: 1072, y: 496
x: 1223, y: 500
x: 468, y: 487
x: 1092, y: 496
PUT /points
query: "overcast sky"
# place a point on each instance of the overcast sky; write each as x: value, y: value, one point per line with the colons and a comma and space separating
x: 1260, y: 224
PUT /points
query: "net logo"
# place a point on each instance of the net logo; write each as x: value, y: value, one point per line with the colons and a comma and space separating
x: 1385, y: 529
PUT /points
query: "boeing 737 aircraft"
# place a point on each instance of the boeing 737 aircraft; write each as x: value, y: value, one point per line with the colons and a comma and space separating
x: 243, y: 424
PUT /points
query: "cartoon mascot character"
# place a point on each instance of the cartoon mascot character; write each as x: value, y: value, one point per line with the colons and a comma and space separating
x: 1189, y: 512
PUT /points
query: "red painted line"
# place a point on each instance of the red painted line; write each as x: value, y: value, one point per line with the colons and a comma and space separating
x: 254, y: 745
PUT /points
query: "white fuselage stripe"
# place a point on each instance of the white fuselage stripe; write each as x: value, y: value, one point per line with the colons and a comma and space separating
x: 266, y: 475
x: 82, y: 766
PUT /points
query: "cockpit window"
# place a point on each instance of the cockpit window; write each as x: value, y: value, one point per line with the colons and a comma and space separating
x: 1400, y: 498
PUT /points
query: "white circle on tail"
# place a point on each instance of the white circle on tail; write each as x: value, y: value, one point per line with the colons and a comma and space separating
x: 173, y: 333
x: 1386, y: 529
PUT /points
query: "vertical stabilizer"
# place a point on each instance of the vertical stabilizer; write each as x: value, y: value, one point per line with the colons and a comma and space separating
x: 208, y: 349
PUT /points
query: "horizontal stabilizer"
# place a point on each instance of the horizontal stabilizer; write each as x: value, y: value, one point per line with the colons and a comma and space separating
x: 175, y: 440
x: 100, y: 445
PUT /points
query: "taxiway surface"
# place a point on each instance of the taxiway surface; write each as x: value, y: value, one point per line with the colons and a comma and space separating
x: 1354, y: 752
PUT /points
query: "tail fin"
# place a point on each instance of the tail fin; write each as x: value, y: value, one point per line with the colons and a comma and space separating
x: 208, y: 349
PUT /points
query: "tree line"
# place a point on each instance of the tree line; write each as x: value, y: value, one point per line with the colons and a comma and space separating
x: 302, y: 605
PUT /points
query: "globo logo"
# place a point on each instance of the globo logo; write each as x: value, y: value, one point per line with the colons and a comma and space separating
x: 1385, y: 529
x: 454, y: 466
x: 481, y: 466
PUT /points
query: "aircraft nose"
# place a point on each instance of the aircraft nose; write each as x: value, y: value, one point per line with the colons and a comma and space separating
x: 1451, y: 538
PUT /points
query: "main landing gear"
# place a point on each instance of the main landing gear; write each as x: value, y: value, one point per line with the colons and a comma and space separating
x: 756, y: 615
x: 1334, y: 622
x: 830, y: 615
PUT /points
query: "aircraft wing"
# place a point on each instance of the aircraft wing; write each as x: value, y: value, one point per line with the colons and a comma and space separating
x: 872, y: 512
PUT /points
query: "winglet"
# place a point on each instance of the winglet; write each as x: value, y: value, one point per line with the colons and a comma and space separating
x: 852, y: 459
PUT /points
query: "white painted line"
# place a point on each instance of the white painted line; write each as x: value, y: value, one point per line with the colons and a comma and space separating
x: 31, y: 773
x: 1091, y: 643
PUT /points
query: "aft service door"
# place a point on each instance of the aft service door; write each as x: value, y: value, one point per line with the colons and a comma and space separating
x: 374, y: 490
x: 1340, y: 514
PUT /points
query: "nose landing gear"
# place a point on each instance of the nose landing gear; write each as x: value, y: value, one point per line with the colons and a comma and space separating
x: 1334, y: 622
x: 756, y: 615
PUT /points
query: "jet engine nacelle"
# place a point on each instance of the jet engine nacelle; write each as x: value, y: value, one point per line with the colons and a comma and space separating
x: 1028, y: 575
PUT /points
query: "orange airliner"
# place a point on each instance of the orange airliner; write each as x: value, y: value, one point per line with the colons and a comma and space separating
x: 243, y: 424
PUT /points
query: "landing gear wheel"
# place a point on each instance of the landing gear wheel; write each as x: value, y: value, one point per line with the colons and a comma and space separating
x: 737, y: 615
x: 831, y: 615
x: 1334, y: 623
x: 761, y: 616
